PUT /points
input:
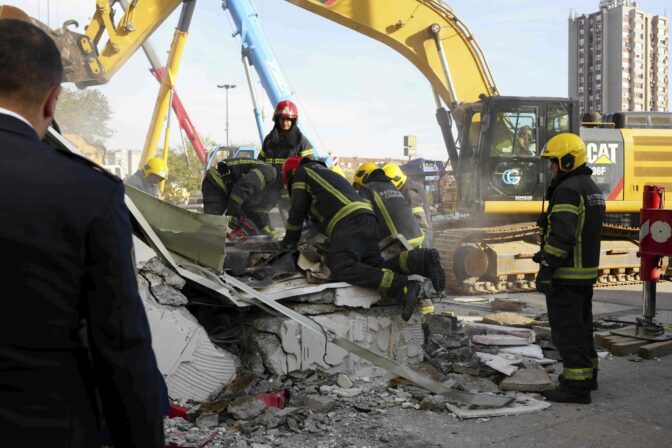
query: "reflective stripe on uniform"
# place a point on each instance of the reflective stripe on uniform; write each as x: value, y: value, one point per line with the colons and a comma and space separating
x: 237, y: 199
x: 576, y: 273
x: 418, y: 210
x: 428, y: 309
x: 417, y: 241
x: 299, y: 186
x: 262, y: 180
x: 403, y: 262
x: 578, y: 374
x: 327, y: 186
x: 565, y: 208
x: 345, y: 211
x: 214, y: 175
x: 293, y: 227
x: 306, y: 152
x: 386, y: 281
x: 278, y: 160
x: 555, y: 251
x: 386, y: 215
x: 262, y: 153
x: 244, y: 162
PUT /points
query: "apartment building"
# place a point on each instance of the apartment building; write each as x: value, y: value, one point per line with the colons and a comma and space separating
x: 619, y: 59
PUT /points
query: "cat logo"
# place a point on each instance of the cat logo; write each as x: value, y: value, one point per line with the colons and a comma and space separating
x: 601, y: 153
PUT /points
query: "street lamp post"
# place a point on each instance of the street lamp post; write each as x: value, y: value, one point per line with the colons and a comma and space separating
x: 227, y: 87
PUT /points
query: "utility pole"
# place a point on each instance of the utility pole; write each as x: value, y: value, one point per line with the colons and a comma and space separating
x: 227, y: 87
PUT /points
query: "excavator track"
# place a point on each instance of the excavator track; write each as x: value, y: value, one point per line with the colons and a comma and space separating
x: 465, y: 251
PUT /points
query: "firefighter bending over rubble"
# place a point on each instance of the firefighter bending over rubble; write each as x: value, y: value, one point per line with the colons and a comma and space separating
x: 351, y: 224
x: 246, y: 189
x: 396, y: 221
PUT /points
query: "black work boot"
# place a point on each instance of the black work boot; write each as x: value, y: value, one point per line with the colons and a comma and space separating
x: 569, y: 391
x: 409, y: 299
x: 427, y: 262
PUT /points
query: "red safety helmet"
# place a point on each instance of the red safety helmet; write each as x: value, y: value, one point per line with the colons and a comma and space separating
x: 289, y: 168
x: 286, y: 109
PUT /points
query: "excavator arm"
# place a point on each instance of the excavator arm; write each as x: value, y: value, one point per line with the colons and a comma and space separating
x: 444, y: 51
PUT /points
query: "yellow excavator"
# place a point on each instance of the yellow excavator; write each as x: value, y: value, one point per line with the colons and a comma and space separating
x: 500, y: 181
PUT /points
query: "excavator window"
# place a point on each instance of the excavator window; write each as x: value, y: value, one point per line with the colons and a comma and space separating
x: 513, y: 163
x: 557, y: 119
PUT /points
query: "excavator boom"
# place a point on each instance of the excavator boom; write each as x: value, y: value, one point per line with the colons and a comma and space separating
x: 413, y: 28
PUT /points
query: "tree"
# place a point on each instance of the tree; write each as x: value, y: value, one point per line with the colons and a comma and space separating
x: 86, y: 113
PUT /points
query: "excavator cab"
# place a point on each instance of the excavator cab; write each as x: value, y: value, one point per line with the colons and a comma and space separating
x: 500, y: 141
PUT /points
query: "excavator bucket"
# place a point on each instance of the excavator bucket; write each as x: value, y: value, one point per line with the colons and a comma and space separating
x: 80, y: 63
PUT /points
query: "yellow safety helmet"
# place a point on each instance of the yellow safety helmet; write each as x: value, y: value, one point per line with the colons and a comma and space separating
x: 568, y: 149
x: 337, y: 169
x: 393, y: 171
x: 362, y: 173
x: 156, y: 166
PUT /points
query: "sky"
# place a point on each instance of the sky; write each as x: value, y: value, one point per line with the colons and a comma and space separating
x: 356, y: 96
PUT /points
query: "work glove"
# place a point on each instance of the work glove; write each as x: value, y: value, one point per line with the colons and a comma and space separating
x: 544, y: 281
x: 537, y: 257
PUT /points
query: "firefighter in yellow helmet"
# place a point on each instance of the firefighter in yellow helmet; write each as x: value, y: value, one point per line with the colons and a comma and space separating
x: 415, y: 196
x: 362, y: 174
x: 148, y: 178
x: 568, y: 264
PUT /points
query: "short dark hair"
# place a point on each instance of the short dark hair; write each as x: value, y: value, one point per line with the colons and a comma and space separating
x: 30, y: 63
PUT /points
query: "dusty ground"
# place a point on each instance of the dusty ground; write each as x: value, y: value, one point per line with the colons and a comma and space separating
x: 632, y: 408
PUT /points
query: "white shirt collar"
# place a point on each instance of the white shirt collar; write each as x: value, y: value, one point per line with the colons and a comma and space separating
x: 11, y: 113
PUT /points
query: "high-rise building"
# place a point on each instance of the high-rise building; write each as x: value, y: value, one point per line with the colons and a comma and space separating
x: 619, y: 59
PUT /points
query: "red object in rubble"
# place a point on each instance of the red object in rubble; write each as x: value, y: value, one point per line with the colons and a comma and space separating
x: 177, y: 411
x: 275, y: 399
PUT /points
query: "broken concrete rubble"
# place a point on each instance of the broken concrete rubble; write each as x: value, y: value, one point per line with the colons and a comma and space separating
x: 527, y: 380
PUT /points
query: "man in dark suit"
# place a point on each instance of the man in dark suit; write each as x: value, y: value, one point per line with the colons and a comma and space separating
x: 66, y: 258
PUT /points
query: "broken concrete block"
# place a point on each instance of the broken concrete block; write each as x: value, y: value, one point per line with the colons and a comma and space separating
x: 348, y: 393
x: 318, y: 403
x: 207, y: 421
x: 293, y: 347
x: 356, y: 297
x: 168, y: 295
x: 143, y: 253
x: 245, y: 408
x: 167, y: 275
x: 542, y: 332
x: 475, y: 328
x: 530, y: 351
x: 194, y: 368
x: 527, y: 380
x: 498, y: 363
x: 498, y: 339
x: 522, y: 404
x: 343, y: 381
x: 508, y: 318
x: 473, y: 383
x: 507, y: 305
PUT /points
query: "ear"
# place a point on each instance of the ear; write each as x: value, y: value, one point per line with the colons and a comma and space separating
x: 49, y: 108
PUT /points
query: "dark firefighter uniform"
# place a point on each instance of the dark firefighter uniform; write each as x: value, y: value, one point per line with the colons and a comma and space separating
x: 569, y: 260
x: 417, y: 199
x: 242, y: 188
x: 394, y: 214
x: 279, y: 145
x: 395, y: 217
x: 341, y: 214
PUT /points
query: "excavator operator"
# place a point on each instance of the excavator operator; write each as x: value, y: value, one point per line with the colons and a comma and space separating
x: 395, y: 218
x: 350, y: 223
x: 245, y: 189
x: 148, y: 178
x: 415, y: 196
x: 568, y: 264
